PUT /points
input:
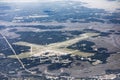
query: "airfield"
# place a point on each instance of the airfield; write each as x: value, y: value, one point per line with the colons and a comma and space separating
x: 60, y: 40
x: 59, y: 48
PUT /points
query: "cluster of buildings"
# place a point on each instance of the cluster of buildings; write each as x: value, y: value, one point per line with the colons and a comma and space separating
x: 108, y: 77
x: 46, y: 58
x: 65, y: 76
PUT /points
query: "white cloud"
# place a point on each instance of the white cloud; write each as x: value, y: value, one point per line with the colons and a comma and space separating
x: 101, y: 4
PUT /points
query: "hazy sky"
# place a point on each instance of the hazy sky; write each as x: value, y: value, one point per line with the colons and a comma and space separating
x: 28, y: 0
x: 100, y: 4
x: 18, y: 0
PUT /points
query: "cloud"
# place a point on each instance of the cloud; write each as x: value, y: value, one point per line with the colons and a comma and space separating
x: 101, y: 4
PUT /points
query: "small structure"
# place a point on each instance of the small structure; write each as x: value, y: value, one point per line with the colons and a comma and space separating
x: 2, y: 56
